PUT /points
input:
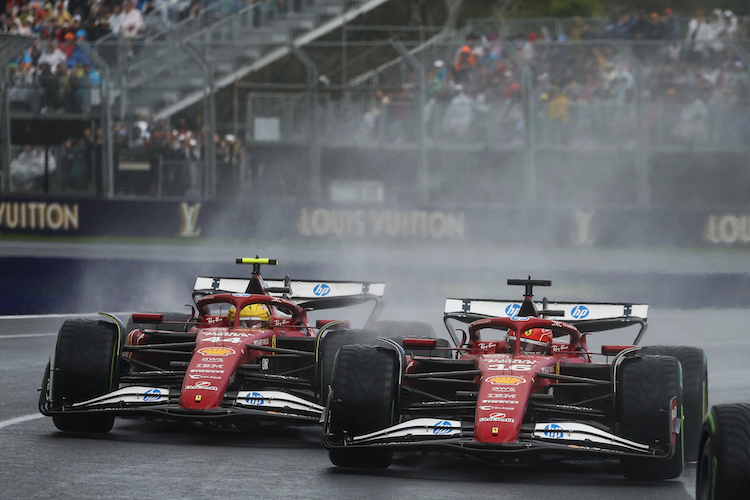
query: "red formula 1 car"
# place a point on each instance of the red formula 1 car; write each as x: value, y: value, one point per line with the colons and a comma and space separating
x: 521, y: 382
x: 247, y: 352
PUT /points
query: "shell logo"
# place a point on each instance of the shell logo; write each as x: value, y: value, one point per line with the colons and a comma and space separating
x: 216, y: 351
x: 506, y: 380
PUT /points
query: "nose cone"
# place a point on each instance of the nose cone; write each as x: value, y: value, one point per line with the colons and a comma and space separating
x: 208, y: 376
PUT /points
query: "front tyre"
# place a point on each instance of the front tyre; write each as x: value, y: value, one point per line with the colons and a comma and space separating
x: 694, y: 391
x: 328, y: 346
x: 85, y: 366
x: 648, y: 389
x: 724, y: 462
x: 364, y: 399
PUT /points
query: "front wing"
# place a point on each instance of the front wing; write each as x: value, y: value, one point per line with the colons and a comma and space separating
x: 572, y: 439
x: 158, y: 401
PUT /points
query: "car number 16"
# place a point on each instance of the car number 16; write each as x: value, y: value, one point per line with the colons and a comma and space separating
x: 517, y: 368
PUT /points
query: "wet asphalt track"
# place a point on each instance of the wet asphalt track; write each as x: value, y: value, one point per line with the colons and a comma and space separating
x: 141, y: 459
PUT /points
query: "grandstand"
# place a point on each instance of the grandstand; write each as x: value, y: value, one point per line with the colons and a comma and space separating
x: 289, y: 100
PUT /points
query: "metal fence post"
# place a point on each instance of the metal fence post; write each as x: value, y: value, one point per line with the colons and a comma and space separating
x: 643, y: 187
x: 10, y: 47
x: 209, y: 118
x: 527, y: 88
x: 108, y: 169
x: 529, y: 149
x: 311, y: 100
x: 5, y: 160
x: 423, y: 174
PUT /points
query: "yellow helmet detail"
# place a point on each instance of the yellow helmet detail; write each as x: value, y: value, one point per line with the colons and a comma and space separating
x: 253, y: 315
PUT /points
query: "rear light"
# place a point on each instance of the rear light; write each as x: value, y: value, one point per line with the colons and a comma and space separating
x: 420, y: 343
x: 611, y: 350
x: 151, y: 318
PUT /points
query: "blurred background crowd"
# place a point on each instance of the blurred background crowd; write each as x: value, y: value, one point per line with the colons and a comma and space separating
x: 690, y: 75
x: 682, y: 72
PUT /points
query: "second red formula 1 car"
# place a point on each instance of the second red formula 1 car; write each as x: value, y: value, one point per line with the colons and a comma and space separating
x: 521, y: 382
x: 247, y: 352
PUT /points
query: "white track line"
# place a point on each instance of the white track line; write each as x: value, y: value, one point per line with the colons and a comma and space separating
x: 20, y: 420
x: 26, y: 335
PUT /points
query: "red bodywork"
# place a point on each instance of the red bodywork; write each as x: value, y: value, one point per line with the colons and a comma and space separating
x: 221, y: 347
x: 507, y: 381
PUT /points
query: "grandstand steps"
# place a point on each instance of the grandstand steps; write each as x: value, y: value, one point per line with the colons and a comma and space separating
x: 234, y: 47
x: 228, y: 41
x: 217, y: 47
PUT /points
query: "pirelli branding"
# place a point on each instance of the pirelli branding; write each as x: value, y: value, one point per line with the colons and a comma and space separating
x: 38, y: 215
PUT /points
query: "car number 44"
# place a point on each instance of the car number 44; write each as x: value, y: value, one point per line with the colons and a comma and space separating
x: 231, y: 340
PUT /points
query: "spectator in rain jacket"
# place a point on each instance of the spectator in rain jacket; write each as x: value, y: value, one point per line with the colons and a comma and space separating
x: 78, y: 57
x: 622, y: 30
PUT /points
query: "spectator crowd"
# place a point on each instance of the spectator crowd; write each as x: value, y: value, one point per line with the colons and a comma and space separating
x: 689, y: 78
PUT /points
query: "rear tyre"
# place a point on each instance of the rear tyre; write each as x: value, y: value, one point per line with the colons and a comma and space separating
x: 647, y: 385
x: 694, y: 392
x: 327, y: 348
x: 724, y: 466
x: 85, y: 366
x: 365, y: 399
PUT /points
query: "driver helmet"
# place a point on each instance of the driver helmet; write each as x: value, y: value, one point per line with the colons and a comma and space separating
x: 533, y: 341
x: 251, y: 316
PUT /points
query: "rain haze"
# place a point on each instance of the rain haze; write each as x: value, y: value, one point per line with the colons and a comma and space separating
x: 435, y: 152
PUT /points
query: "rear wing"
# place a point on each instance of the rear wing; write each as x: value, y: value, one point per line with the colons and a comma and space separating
x: 309, y: 295
x: 586, y: 316
x: 295, y: 290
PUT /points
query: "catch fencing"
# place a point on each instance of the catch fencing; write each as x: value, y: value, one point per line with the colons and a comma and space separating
x: 520, y: 103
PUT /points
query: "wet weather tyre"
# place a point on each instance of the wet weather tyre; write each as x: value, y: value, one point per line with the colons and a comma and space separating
x: 694, y: 392
x: 364, y: 400
x: 85, y: 366
x: 329, y: 344
x: 647, y: 385
x: 724, y: 465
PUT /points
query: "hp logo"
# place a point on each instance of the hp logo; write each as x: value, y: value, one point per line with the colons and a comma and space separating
x: 321, y: 290
x: 553, y: 431
x: 512, y: 310
x: 442, y: 427
x: 255, y: 398
x: 152, y: 395
x: 580, y: 312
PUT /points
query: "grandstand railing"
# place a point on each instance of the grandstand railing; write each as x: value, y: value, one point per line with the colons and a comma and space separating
x: 54, y: 98
x: 396, y: 71
x: 601, y: 125
x: 54, y: 171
